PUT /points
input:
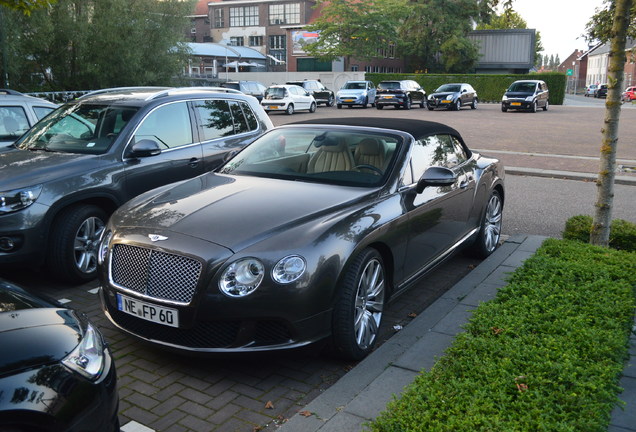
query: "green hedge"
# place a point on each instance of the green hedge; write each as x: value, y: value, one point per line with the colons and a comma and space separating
x: 490, y: 88
x: 622, y: 232
x: 545, y: 355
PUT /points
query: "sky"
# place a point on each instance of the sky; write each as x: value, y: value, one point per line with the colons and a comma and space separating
x: 560, y: 22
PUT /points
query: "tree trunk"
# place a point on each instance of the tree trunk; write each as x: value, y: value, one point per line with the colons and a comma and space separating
x: 600, y: 232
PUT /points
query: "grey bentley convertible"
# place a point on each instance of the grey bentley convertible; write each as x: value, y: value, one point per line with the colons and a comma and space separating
x: 302, y: 236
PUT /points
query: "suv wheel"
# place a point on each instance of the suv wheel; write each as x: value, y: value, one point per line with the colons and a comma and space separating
x: 330, y: 101
x: 74, y: 243
x: 407, y: 104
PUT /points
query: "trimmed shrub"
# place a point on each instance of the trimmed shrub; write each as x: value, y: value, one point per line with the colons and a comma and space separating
x: 545, y: 355
x: 622, y: 232
x: 490, y: 87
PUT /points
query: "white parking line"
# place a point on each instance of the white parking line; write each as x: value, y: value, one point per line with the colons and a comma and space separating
x: 133, y: 426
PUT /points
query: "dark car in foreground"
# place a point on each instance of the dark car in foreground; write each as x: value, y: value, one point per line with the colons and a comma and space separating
x: 453, y: 96
x: 72, y: 169
x: 527, y: 95
x: 321, y: 94
x: 56, y: 372
x: 400, y: 94
x: 303, y: 236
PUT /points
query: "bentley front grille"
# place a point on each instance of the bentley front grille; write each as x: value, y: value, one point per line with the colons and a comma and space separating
x: 155, y: 274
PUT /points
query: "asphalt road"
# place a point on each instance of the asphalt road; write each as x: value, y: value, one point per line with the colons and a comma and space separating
x: 166, y: 392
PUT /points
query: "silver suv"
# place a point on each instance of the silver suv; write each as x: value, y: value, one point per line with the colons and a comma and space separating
x: 18, y: 112
x: 64, y: 177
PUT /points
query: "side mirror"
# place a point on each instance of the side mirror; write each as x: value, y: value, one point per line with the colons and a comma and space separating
x: 145, y: 148
x: 435, y: 176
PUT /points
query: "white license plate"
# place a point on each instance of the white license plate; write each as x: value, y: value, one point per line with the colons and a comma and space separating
x: 148, y: 311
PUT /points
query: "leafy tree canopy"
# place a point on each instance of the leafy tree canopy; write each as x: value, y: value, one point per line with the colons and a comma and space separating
x: 26, y: 6
x: 599, y: 28
x: 89, y: 44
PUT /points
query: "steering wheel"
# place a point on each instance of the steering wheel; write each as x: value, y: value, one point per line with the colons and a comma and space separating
x: 376, y: 170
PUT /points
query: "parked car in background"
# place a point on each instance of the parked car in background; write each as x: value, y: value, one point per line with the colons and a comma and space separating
x: 321, y: 94
x: 526, y: 95
x: 629, y: 94
x: 56, y: 371
x: 252, y: 88
x: 400, y: 94
x: 288, y: 99
x: 601, y: 91
x: 337, y: 217
x: 356, y: 93
x: 589, y: 90
x: 77, y: 165
x: 453, y: 96
x: 18, y: 112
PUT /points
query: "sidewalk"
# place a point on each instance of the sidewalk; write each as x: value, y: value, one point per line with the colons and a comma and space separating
x: 364, y: 391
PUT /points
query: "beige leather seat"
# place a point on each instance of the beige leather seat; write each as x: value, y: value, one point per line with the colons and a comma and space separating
x: 370, y: 151
x: 331, y: 156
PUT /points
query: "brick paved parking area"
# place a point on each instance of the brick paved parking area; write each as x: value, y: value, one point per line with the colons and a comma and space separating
x: 163, y: 391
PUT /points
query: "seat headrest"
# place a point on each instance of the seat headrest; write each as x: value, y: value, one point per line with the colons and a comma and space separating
x: 370, y: 146
x: 332, y: 146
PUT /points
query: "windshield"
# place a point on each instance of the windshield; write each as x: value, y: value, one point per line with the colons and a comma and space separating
x: 454, y: 88
x: 78, y: 128
x: 275, y: 93
x: 389, y: 85
x: 319, y: 154
x: 354, y: 86
x: 522, y: 87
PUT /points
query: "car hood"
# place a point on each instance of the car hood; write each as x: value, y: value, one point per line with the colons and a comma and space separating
x: 442, y: 94
x: 235, y: 211
x: 351, y: 92
x: 34, y: 337
x: 518, y: 94
x: 23, y: 168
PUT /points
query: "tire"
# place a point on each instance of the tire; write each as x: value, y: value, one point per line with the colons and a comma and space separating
x: 74, y: 241
x: 407, y: 103
x: 359, y: 307
x: 379, y: 106
x: 473, y: 105
x: 490, y: 230
x: 458, y: 105
x: 331, y: 101
x: 366, y: 102
x: 290, y: 109
x: 504, y: 109
x: 533, y: 108
x: 430, y: 108
x: 545, y: 107
x: 312, y: 108
x: 339, y: 106
x: 423, y: 103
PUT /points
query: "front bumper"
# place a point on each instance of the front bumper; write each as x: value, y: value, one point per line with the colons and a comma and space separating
x: 520, y: 104
x: 440, y: 103
x: 25, y: 230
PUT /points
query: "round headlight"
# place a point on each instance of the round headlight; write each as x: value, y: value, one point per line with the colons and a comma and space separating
x: 289, y: 269
x: 103, y: 247
x: 242, y: 277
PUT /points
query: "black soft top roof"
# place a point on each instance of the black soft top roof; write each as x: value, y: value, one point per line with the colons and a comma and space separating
x: 417, y: 128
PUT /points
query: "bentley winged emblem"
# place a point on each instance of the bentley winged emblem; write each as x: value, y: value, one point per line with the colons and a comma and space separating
x: 157, y: 237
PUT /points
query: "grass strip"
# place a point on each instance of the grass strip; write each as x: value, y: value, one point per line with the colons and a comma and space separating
x: 545, y: 355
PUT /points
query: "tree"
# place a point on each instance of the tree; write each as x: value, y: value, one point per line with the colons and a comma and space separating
x: 610, y: 24
x: 429, y: 34
x: 88, y: 44
x: 25, y: 6
x: 510, y: 19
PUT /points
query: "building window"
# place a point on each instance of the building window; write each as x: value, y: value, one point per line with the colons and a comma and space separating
x: 278, y: 42
x: 288, y: 13
x: 279, y: 55
x: 244, y: 16
x: 236, y: 41
x: 354, y: 68
x: 219, y: 21
x: 256, y: 40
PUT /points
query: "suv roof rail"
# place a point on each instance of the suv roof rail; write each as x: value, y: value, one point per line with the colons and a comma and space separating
x: 119, y: 89
x: 170, y: 91
x: 10, y: 92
